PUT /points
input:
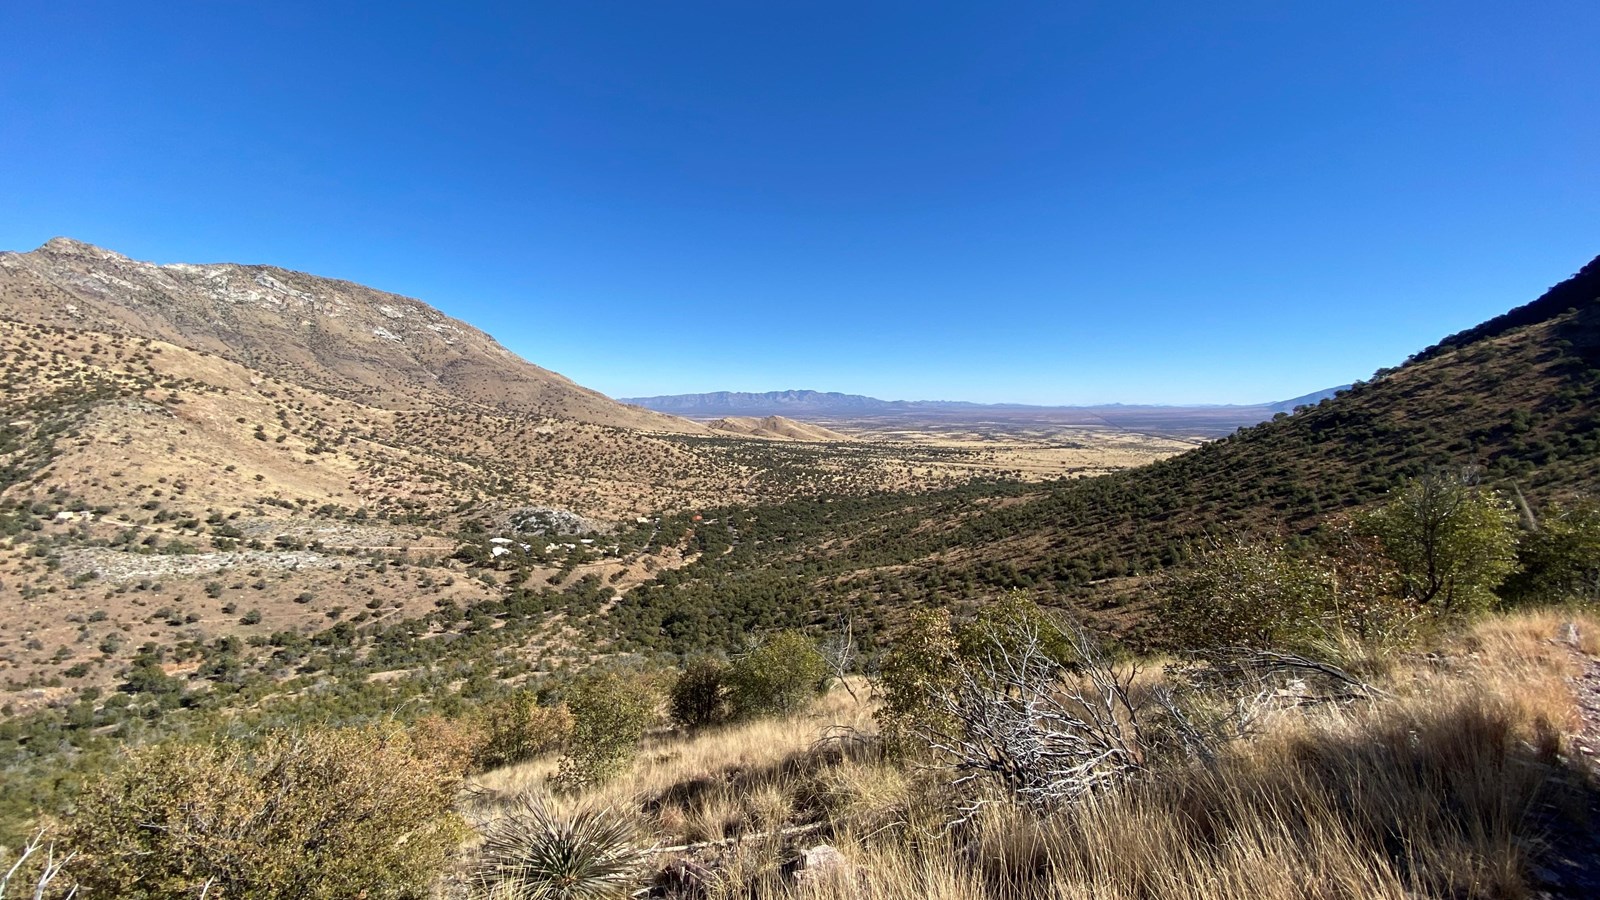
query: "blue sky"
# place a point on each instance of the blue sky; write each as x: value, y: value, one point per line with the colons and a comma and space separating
x: 1037, y: 202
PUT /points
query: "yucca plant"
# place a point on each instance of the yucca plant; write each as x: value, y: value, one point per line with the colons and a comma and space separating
x: 530, y: 853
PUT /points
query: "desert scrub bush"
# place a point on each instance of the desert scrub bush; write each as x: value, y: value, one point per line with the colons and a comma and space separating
x: 517, y: 728
x: 779, y: 676
x: 926, y: 659
x: 1043, y: 732
x: 919, y: 665
x: 456, y: 743
x: 35, y: 870
x: 322, y: 813
x: 1560, y: 557
x: 1242, y: 593
x: 1005, y: 620
x: 530, y: 853
x: 1359, y: 604
x: 699, y: 695
x: 1442, y: 790
x: 610, y: 713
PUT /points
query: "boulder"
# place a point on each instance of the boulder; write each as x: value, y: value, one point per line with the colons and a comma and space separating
x: 820, y: 863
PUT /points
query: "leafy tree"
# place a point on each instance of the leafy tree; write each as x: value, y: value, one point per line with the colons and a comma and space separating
x: 998, y: 624
x: 923, y: 661
x: 516, y: 728
x: 150, y: 678
x: 699, y: 696
x: 929, y: 655
x: 1452, y: 541
x: 1243, y: 593
x: 1362, y: 601
x: 777, y: 677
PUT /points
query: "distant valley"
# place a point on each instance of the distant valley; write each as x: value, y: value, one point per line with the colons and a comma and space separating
x: 1193, y: 421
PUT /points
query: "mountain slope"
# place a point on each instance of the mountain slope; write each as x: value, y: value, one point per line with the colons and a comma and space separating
x: 1311, y: 399
x: 1517, y: 402
x: 344, y: 339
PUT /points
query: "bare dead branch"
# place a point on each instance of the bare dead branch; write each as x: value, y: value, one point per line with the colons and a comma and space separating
x: 1045, y: 733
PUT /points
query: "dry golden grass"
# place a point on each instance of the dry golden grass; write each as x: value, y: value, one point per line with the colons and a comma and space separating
x: 712, y: 765
x: 1453, y: 787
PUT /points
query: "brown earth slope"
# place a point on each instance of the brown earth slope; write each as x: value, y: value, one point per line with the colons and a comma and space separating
x: 780, y: 428
x: 341, y: 338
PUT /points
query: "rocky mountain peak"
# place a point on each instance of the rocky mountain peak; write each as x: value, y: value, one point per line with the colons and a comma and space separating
x: 334, y: 336
x: 66, y: 246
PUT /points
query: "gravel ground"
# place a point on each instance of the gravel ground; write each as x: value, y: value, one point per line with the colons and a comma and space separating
x: 116, y: 566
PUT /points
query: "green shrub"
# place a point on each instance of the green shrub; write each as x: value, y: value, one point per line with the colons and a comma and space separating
x: 530, y: 854
x: 320, y: 814
x: 609, y: 715
x: 927, y: 659
x: 923, y: 661
x: 699, y: 696
x: 999, y: 623
x: 1561, y: 560
x: 517, y: 728
x: 780, y: 676
x: 1242, y: 593
x: 1360, y: 603
x: 1452, y: 541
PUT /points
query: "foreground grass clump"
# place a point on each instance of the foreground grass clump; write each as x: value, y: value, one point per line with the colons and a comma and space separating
x: 322, y: 813
x: 1451, y: 778
x: 1451, y: 788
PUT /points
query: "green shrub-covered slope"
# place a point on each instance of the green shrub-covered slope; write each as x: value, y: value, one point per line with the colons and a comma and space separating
x: 1518, y: 397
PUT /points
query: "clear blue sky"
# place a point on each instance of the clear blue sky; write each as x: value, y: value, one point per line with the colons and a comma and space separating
x: 1041, y: 202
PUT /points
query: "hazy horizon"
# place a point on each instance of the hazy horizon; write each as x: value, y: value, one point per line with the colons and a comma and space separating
x: 1089, y: 404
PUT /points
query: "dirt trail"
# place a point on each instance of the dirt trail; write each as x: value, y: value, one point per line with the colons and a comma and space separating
x: 1586, y: 688
x: 1571, y: 867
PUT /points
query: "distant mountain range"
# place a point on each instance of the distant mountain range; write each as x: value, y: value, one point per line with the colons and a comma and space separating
x: 831, y: 405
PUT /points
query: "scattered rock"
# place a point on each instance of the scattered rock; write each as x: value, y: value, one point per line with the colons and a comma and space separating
x: 550, y: 520
x: 685, y: 877
x: 114, y: 566
x: 1569, y: 634
x: 820, y: 863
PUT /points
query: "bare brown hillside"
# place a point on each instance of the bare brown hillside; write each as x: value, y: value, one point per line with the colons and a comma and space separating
x: 780, y: 428
x: 344, y: 339
x: 151, y: 492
